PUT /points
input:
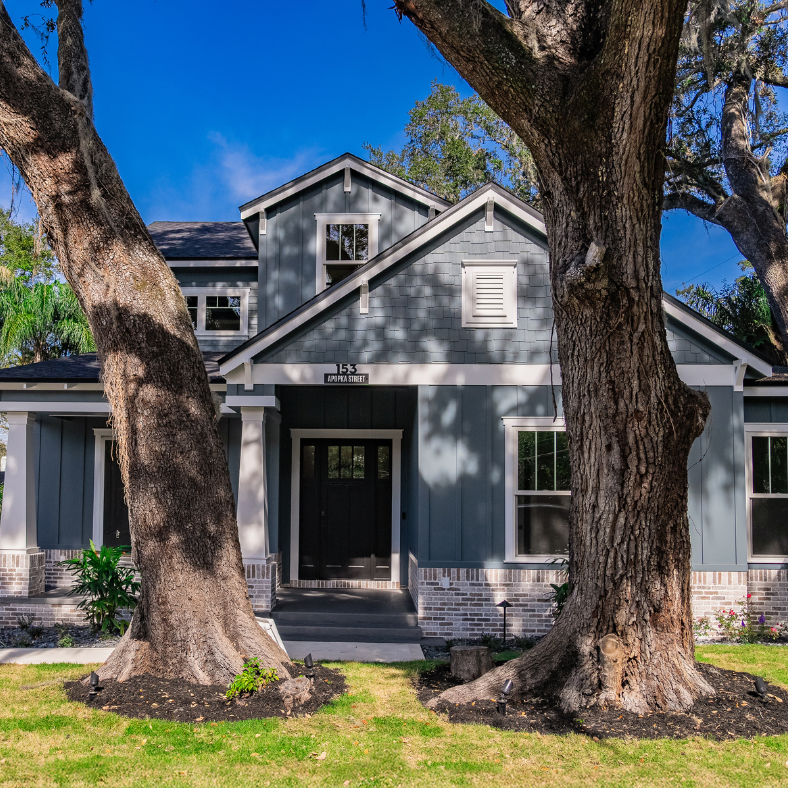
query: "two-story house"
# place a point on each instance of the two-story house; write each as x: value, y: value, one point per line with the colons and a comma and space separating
x: 392, y: 412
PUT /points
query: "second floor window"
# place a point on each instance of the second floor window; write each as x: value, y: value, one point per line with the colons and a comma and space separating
x: 217, y: 312
x: 345, y: 242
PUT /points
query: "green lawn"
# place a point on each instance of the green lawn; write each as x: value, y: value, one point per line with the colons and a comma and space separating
x: 377, y: 735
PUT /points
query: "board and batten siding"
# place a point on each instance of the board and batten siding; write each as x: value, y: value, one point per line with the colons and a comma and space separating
x: 288, y: 249
x: 64, y: 461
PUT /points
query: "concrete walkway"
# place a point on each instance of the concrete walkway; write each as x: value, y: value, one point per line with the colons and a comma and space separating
x: 321, y: 652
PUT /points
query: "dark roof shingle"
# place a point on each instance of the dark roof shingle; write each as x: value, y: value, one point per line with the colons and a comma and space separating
x: 84, y: 368
x: 201, y: 240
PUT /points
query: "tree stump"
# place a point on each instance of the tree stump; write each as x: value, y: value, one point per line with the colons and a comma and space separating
x: 470, y: 662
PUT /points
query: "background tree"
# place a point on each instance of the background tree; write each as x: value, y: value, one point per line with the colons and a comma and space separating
x: 194, y: 619
x: 587, y: 86
x: 727, y: 149
x: 42, y: 321
x: 455, y: 145
x: 741, y: 308
x: 25, y: 253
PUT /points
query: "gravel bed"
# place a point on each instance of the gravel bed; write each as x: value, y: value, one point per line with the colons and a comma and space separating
x: 34, y: 636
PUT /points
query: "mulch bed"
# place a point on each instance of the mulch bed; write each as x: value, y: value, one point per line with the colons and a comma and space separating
x: 150, y: 697
x: 735, y: 712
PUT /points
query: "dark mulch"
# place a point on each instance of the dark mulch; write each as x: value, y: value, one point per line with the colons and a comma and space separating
x: 736, y: 711
x: 149, y: 697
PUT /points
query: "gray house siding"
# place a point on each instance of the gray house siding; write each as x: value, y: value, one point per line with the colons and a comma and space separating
x: 64, y: 461
x: 372, y: 407
x: 717, y: 495
x: 222, y: 277
x: 687, y: 347
x: 461, y: 484
x: 288, y: 252
x: 765, y: 410
x: 415, y: 311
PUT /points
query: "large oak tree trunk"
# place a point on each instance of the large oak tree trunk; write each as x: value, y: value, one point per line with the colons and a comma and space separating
x: 194, y: 619
x: 587, y: 86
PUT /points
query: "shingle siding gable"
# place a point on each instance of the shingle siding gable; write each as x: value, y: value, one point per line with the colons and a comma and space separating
x: 415, y: 316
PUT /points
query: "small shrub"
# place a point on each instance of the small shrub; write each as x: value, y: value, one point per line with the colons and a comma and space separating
x: 109, y: 588
x: 560, y: 592
x: 523, y: 643
x: 65, y: 641
x: 24, y: 641
x: 702, y: 627
x: 251, y: 679
x: 25, y: 622
x: 35, y: 632
x: 493, y: 643
x: 744, y: 625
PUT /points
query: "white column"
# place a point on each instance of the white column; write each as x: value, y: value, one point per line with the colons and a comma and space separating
x: 252, y: 493
x: 18, y: 522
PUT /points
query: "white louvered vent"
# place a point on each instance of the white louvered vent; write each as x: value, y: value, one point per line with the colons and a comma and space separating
x: 489, y: 293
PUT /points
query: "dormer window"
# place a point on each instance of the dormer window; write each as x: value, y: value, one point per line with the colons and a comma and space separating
x: 218, y: 312
x: 345, y: 242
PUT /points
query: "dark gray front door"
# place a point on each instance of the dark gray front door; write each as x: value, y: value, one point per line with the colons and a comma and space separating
x: 345, y: 510
x: 116, y: 513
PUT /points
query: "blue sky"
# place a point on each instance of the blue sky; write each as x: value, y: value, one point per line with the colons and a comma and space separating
x: 206, y: 105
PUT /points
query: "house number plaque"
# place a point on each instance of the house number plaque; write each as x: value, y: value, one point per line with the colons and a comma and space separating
x: 347, y: 375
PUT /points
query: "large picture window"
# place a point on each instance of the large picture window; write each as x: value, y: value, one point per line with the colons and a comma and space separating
x: 218, y: 311
x: 767, y: 495
x: 345, y: 242
x: 538, y: 489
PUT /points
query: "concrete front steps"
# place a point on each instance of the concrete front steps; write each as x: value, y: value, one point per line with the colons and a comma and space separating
x: 347, y: 614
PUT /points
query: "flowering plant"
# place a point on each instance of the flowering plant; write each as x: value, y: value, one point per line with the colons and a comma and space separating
x: 744, y: 625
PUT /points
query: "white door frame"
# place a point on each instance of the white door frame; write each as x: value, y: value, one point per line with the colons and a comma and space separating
x: 395, y: 436
x: 103, y: 434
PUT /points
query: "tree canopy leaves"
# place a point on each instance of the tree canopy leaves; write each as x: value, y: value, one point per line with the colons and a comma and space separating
x: 455, y: 145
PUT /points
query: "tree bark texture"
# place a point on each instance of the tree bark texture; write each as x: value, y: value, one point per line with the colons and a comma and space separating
x: 194, y: 619
x: 587, y: 86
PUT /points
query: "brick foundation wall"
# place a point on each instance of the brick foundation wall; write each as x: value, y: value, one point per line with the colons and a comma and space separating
x: 22, y: 573
x: 45, y: 615
x: 460, y: 603
x: 58, y: 576
x: 262, y: 579
x: 769, y: 589
x: 712, y: 591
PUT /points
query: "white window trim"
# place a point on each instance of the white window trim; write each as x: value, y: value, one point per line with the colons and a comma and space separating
x: 508, y: 268
x: 103, y: 435
x: 511, y: 426
x: 322, y: 219
x: 201, y: 292
x: 752, y: 431
x: 395, y: 436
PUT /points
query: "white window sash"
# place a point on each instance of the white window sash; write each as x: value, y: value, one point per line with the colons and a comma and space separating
x: 513, y: 425
x: 372, y: 220
x: 760, y: 431
x: 202, y: 311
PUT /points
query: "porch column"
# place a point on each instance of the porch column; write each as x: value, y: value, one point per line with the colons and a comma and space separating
x: 252, y: 488
x: 22, y: 564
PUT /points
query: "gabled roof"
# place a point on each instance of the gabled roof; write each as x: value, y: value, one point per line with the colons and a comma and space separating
x: 410, y: 243
x: 202, y: 240
x: 82, y: 368
x: 696, y: 322
x: 322, y: 172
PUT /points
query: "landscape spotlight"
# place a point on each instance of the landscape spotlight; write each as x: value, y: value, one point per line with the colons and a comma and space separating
x: 505, y: 690
x: 94, y: 687
x: 505, y: 604
x: 760, y: 687
x: 310, y: 666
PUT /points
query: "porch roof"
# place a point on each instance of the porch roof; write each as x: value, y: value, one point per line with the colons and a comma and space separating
x: 83, y: 368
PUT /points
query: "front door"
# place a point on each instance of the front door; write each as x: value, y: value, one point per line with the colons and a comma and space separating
x: 345, y: 510
x: 116, y: 513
